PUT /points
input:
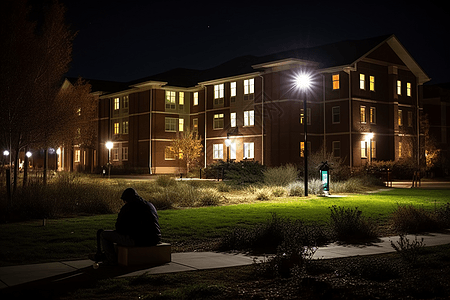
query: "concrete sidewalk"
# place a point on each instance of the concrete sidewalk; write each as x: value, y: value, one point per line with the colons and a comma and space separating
x: 70, y: 271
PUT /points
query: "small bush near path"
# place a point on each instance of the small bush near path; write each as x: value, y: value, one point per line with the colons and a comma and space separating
x: 411, y: 219
x: 348, y: 224
x: 280, y: 176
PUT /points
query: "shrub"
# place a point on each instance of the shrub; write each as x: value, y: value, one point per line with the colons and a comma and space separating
x: 278, y: 191
x: 373, y: 268
x: 165, y: 181
x: 296, y: 189
x: 315, y: 187
x: 409, y: 219
x: 244, y: 171
x: 348, y: 224
x: 208, y: 197
x: 443, y: 215
x: 280, y: 176
x: 408, y: 250
x: 264, y: 194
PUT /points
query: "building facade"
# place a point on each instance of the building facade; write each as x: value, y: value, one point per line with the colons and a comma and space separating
x: 362, y: 105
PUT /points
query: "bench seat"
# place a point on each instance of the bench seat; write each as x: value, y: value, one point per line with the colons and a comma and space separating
x: 151, y: 255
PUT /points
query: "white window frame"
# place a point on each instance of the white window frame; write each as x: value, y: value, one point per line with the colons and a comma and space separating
x: 249, y: 150
x: 372, y: 83
x: 171, y: 124
x: 249, y: 89
x: 124, y: 153
x: 126, y: 101
x: 399, y: 87
x: 116, y: 103
x: 116, y: 127
x: 363, y: 149
x: 218, y: 93
x: 362, y: 81
x: 181, y: 124
x: 217, y: 151
x: 115, y: 154
x: 180, y: 100
x: 171, y: 100
x: 125, y: 127
x: 249, y: 118
x: 195, y: 99
x: 362, y: 114
x: 233, y: 150
x: 233, y: 91
x: 373, y: 115
x: 408, y: 89
x: 233, y: 119
x: 336, y: 146
x: 218, y: 121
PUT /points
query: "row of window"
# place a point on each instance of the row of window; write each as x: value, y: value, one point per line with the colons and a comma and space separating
x: 363, y: 84
x: 121, y: 127
x: 121, y: 102
x: 249, y: 151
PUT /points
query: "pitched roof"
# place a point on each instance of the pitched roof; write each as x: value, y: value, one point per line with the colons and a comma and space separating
x: 102, y: 86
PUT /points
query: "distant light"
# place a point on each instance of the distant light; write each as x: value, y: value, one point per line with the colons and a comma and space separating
x: 109, y: 145
x: 58, y: 151
x: 28, y: 154
x: 6, y: 152
x: 51, y: 150
x: 303, y: 81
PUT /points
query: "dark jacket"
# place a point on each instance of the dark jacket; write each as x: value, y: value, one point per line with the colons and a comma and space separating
x: 138, y: 219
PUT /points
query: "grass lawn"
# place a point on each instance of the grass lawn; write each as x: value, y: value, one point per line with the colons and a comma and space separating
x: 30, y: 242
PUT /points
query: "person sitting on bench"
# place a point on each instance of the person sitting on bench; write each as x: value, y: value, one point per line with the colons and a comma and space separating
x: 137, y: 225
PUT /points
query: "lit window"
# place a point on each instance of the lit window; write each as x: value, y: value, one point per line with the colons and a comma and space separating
x: 116, y: 128
x: 233, y: 91
x: 336, y: 110
x: 362, y: 81
x: 308, y: 115
x: 302, y: 148
x: 249, y: 89
x: 116, y: 103
x: 171, y: 124
x: 336, y: 148
x: 124, y: 153
x: 233, y: 119
x: 233, y: 150
x: 249, y: 150
x: 169, y: 153
x: 336, y: 82
x: 180, y: 154
x: 249, y: 118
x: 218, y: 121
x: 399, y: 149
x: 115, y: 154
x: 218, y: 94
x: 77, y: 156
x: 399, y: 87
x: 170, y: 100
x: 180, y: 100
x: 195, y: 125
x: 408, y: 89
x: 372, y: 83
x: 180, y: 124
x: 400, y: 117
x: 373, y: 115
x: 363, y: 149
x: 196, y: 98
x: 125, y: 127
x: 126, y: 101
x: 410, y: 119
x: 362, y: 114
x: 79, y: 112
x: 373, y: 153
x: 217, y: 151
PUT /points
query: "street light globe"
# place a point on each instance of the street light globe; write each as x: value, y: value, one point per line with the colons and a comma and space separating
x: 369, y: 136
x: 28, y: 154
x: 6, y: 153
x: 303, y: 81
x: 109, y: 145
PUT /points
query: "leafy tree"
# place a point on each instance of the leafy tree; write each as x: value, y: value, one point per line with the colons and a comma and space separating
x: 188, y: 147
x: 35, y: 54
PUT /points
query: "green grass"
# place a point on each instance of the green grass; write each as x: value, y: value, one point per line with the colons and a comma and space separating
x: 30, y: 242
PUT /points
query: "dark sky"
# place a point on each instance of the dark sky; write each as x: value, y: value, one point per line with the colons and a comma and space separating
x: 128, y: 40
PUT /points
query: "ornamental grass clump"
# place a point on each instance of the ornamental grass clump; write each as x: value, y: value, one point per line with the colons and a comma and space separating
x: 280, y: 176
x: 410, y: 219
x: 349, y: 225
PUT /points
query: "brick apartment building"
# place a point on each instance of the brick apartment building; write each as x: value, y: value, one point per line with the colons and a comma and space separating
x: 358, y: 88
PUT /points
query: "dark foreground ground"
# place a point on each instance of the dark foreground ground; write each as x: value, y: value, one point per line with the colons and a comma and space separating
x: 387, y: 276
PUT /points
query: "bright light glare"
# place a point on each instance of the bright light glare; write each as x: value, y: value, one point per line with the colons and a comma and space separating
x: 369, y: 136
x: 303, y: 81
x: 227, y: 142
x: 109, y: 145
x: 6, y: 152
x: 28, y: 154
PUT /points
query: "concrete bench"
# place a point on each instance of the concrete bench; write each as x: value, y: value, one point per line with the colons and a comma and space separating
x: 151, y: 255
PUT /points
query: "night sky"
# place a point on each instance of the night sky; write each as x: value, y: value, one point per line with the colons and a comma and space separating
x: 128, y: 40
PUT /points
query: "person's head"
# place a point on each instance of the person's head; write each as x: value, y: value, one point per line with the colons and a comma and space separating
x: 129, y: 194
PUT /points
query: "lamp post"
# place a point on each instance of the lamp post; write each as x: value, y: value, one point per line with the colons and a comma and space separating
x: 303, y: 82
x: 8, y: 176
x: 109, y: 146
x: 227, y: 144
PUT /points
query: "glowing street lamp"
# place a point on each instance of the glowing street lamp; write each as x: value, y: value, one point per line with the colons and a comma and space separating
x: 109, y: 146
x: 303, y: 82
